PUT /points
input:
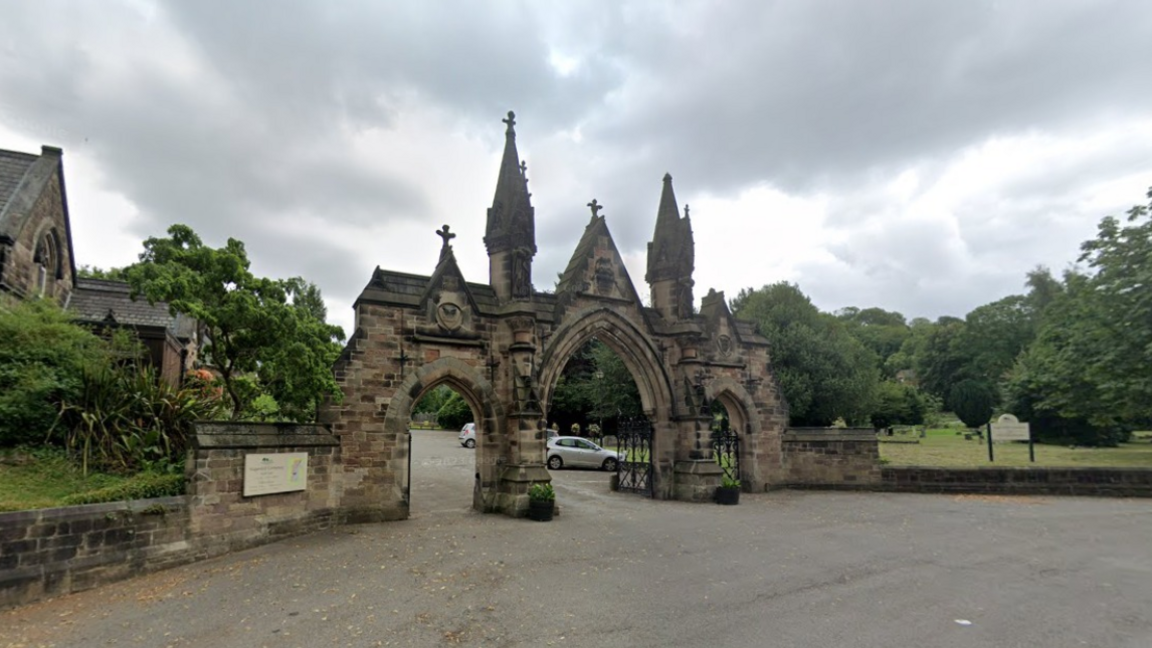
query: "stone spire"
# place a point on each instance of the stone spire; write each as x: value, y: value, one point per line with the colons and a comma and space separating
x: 510, y: 235
x: 671, y: 258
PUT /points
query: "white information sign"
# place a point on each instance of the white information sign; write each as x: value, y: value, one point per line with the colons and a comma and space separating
x: 275, y: 473
x: 1008, y: 428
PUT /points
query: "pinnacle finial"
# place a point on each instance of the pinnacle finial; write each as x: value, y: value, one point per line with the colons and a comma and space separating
x: 685, y: 210
x: 511, y: 121
x: 523, y: 168
x: 667, y: 177
x: 595, y: 207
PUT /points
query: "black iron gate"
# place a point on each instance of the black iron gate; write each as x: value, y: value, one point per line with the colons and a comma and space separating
x: 726, y: 449
x: 634, y: 442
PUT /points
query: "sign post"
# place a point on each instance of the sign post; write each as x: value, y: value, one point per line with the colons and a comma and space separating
x: 1008, y: 428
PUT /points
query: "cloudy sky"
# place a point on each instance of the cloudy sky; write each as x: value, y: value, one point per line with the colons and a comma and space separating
x: 918, y: 156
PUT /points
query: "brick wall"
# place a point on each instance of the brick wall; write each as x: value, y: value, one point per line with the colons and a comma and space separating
x: 1108, y: 482
x: 831, y: 458
x: 56, y: 551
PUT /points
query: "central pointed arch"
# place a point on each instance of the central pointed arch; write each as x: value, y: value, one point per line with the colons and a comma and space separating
x: 640, y: 355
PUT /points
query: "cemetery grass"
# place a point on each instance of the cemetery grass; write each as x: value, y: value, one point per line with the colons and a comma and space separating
x: 946, y: 448
x: 43, y: 478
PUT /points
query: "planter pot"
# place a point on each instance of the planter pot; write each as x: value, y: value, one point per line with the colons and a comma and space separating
x: 541, y: 511
x: 727, y: 496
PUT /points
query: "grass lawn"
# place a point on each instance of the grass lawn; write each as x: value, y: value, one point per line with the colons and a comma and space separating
x: 44, y: 480
x: 943, y: 447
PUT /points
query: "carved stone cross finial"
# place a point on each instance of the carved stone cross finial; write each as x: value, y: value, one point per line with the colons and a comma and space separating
x: 523, y: 167
x: 685, y: 210
x: 595, y: 207
x: 511, y: 120
x: 446, y: 235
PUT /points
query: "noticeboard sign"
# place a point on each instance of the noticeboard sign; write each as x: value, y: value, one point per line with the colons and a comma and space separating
x: 265, y: 474
x: 1008, y: 428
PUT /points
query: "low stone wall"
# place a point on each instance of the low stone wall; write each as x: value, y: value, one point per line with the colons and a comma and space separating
x: 223, y: 519
x: 56, y: 551
x: 1107, y: 482
x: 831, y: 458
x: 48, y: 552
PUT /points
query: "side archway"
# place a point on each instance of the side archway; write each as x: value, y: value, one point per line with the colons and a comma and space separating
x: 740, y: 407
x: 486, y: 409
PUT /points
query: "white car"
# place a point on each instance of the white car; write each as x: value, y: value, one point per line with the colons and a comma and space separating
x: 468, y: 435
x: 577, y: 452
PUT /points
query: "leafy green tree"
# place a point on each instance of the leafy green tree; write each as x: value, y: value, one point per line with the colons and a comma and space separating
x: 897, y: 404
x: 255, y: 326
x: 972, y: 401
x: 95, y: 272
x: 454, y: 413
x: 825, y: 373
x: 880, y: 331
x: 43, y: 359
x: 942, y: 360
x: 595, y: 387
x: 993, y: 336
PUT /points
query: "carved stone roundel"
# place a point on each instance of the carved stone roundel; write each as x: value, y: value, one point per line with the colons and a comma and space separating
x: 724, y: 345
x: 449, y: 315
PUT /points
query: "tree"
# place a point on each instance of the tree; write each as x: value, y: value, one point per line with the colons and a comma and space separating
x: 257, y: 340
x: 454, y: 413
x: 897, y: 404
x: 880, y: 331
x: 95, y: 272
x: 972, y: 401
x: 824, y: 372
x: 595, y: 386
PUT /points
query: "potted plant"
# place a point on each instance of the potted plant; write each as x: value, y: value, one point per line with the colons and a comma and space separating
x: 541, y: 502
x: 729, y: 491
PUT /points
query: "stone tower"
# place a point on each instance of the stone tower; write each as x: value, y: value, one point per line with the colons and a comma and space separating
x: 671, y: 259
x: 510, y: 235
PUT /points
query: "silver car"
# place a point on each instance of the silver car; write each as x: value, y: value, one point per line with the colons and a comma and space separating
x: 577, y: 452
x: 467, y: 436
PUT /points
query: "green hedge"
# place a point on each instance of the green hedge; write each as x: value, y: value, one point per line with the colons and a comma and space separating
x: 143, y: 486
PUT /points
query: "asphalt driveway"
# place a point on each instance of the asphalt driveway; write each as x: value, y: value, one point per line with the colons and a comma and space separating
x: 780, y: 569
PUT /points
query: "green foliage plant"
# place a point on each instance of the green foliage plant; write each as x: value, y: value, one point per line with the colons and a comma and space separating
x: 142, y: 486
x: 269, y: 329
x: 43, y: 358
x: 972, y: 401
x: 728, y: 482
x: 541, y: 492
x: 454, y: 413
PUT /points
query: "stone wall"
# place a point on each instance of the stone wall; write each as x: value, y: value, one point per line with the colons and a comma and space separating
x: 21, y: 273
x: 831, y: 458
x: 57, y: 551
x: 1108, y: 482
x: 222, y: 519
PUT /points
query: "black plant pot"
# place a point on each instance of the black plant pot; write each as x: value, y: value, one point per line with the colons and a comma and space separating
x: 540, y: 510
x: 727, y: 496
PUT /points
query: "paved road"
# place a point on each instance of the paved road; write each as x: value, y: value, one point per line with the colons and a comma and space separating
x: 781, y: 569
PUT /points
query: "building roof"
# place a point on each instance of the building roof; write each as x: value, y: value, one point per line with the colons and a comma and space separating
x: 105, y: 301
x: 14, y: 168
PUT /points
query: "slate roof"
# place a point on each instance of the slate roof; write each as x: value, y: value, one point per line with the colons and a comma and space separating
x: 13, y: 167
x: 101, y: 300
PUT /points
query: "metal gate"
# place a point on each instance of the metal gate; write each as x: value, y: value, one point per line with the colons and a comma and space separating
x: 726, y: 449
x: 634, y: 470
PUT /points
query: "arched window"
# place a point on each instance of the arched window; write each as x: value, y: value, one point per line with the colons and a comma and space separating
x: 47, y: 256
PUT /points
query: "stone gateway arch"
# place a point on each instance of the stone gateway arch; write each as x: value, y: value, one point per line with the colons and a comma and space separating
x: 502, y: 345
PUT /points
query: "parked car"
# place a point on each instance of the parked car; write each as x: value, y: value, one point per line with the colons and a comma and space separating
x: 468, y: 435
x: 577, y: 452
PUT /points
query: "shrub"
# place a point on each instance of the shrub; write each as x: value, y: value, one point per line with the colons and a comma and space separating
x: 143, y: 486
x: 454, y: 413
x: 43, y: 356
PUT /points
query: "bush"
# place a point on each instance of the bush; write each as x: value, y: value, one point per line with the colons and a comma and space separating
x: 143, y: 486
x: 43, y: 356
x: 972, y: 401
x: 125, y: 419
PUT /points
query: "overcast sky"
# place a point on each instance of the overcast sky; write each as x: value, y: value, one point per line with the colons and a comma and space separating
x: 917, y: 156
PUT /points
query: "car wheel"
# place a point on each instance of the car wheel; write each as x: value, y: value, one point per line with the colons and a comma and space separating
x: 555, y: 462
x: 470, y: 443
x: 610, y: 465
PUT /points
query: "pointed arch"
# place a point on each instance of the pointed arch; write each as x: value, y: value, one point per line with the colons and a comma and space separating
x: 481, y: 398
x: 640, y: 355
